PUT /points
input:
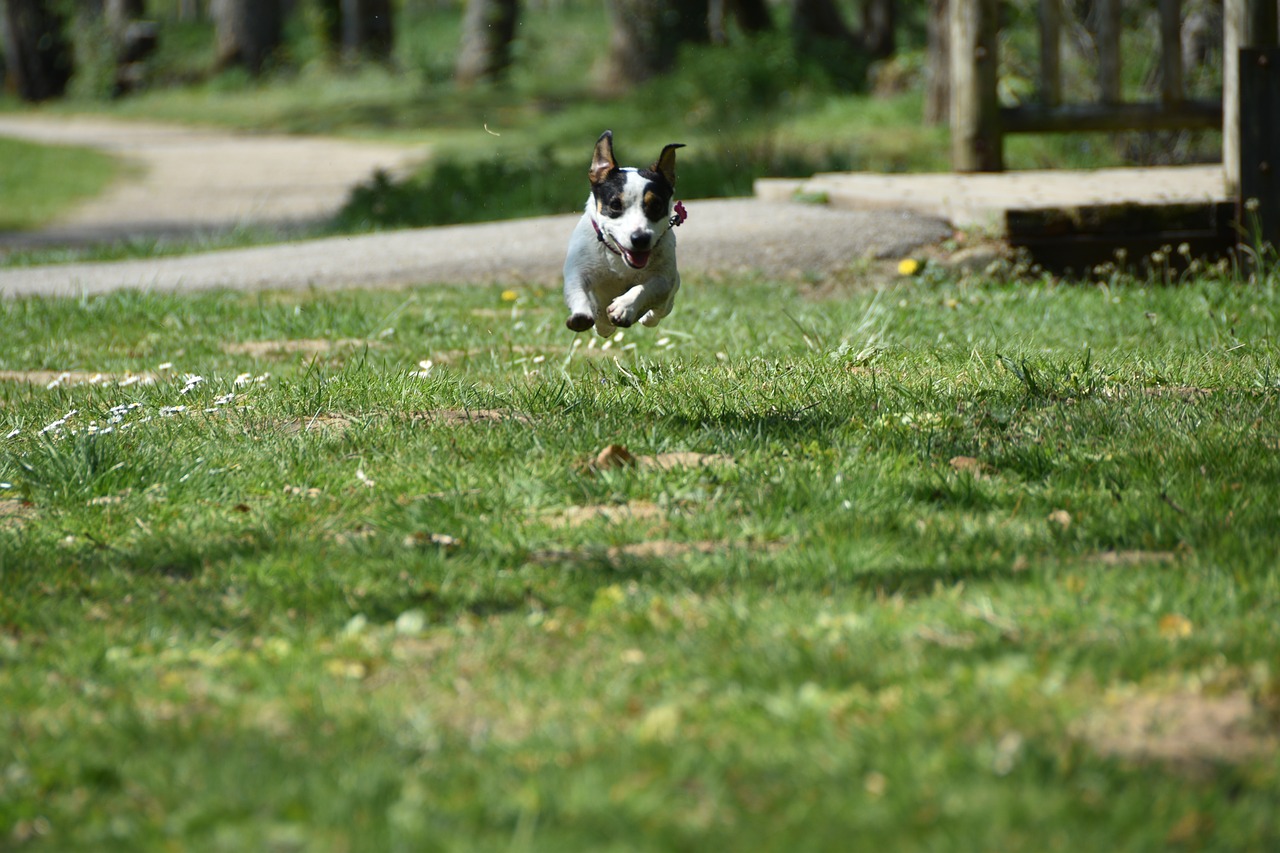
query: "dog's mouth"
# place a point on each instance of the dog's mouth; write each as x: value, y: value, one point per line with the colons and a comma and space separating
x: 635, y: 260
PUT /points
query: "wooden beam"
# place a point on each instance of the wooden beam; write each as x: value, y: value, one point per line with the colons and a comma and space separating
x: 1108, y: 42
x: 1263, y: 30
x: 1260, y: 145
x: 1050, y: 53
x: 1170, y: 52
x: 976, y: 144
x: 1205, y: 115
x: 1079, y: 239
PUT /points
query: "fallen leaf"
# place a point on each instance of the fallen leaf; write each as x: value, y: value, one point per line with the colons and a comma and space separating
x: 613, y: 456
x: 970, y: 465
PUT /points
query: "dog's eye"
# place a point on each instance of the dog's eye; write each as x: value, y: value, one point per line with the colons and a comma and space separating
x: 615, y: 207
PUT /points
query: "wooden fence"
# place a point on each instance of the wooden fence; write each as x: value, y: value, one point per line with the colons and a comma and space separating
x: 1248, y: 112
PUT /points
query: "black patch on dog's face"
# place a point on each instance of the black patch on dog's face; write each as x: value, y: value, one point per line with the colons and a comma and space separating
x: 612, y: 199
x: 657, y: 196
x: 609, y: 194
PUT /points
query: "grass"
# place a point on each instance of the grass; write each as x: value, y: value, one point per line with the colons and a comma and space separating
x: 956, y: 564
x: 38, y: 182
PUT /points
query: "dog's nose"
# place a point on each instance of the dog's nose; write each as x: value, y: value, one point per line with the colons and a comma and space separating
x: 640, y: 240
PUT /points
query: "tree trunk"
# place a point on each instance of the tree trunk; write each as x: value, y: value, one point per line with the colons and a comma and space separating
x: 359, y: 29
x: 121, y: 12
x: 751, y: 15
x: 815, y: 20
x: 248, y: 32
x: 937, y: 74
x: 646, y: 37
x: 37, y: 53
x: 878, y: 28
x: 488, y: 31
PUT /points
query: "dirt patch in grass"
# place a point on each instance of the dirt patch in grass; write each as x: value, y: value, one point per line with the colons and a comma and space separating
x: 636, y: 511
x: 656, y: 549
x: 530, y: 354
x: 70, y: 378
x: 460, y: 417
x: 14, y: 513
x: 618, y: 456
x: 1135, y: 558
x: 328, y: 423
x: 300, y: 346
x: 1188, y: 730
x: 667, y: 549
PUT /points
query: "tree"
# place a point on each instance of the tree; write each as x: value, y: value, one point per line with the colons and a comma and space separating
x: 359, y: 29
x: 646, y: 36
x: 822, y: 20
x: 937, y: 73
x: 488, y: 30
x: 752, y: 16
x: 879, y: 24
x: 248, y: 32
x: 37, y: 52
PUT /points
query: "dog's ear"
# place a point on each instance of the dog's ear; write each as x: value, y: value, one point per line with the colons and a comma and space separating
x: 666, y: 165
x: 602, y: 162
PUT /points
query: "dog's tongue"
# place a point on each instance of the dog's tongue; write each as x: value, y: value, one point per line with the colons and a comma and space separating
x: 636, y: 259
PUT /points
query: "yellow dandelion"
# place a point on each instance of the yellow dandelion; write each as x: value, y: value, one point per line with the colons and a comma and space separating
x: 908, y: 266
x: 510, y: 296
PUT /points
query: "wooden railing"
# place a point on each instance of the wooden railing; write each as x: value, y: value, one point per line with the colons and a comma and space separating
x: 1248, y: 112
x: 979, y: 123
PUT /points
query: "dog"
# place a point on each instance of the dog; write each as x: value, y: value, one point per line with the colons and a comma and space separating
x: 621, y: 265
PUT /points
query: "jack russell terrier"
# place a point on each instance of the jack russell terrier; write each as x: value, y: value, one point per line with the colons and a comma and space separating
x: 621, y: 266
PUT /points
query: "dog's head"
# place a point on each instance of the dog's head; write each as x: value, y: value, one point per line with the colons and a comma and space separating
x: 632, y: 207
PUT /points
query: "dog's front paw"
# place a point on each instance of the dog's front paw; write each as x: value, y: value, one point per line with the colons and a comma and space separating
x: 621, y: 314
x: 651, y: 318
x: 580, y: 322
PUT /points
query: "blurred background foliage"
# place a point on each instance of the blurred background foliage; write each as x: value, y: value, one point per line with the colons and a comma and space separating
x: 509, y: 96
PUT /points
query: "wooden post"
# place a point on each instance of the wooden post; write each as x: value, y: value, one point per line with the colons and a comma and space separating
x: 1170, y: 52
x: 1051, y: 53
x: 976, y: 143
x: 1234, y: 36
x: 1262, y: 23
x: 1108, y: 40
x: 1259, y: 209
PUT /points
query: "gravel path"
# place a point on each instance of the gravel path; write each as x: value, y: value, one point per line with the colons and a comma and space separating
x: 198, y: 179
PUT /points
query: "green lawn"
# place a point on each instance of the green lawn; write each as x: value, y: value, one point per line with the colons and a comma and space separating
x: 39, y: 182
x: 944, y: 564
